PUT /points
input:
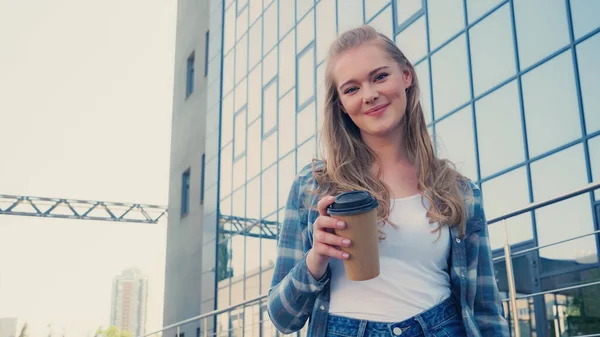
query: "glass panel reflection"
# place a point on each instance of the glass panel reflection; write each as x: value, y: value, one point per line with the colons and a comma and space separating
x: 242, y: 23
x: 422, y: 70
x: 305, y: 30
x: 573, y: 312
x: 594, y: 150
x: 286, y: 16
x: 240, y: 133
x: 255, y: 44
x: 287, y: 118
x: 585, y: 16
x: 326, y: 27
x: 456, y: 141
x: 492, y: 50
x: 306, y: 153
x: 269, y: 150
x: 503, y: 195
x: 239, y: 172
x: 287, y: 64
x: 306, y: 123
x: 302, y: 7
x: 228, y: 75
x: 407, y: 8
x: 269, y: 245
x: 551, y: 122
x: 372, y: 7
x: 270, y: 107
x: 269, y: 190
x: 241, y: 59
x: 477, y: 8
x: 255, y: 10
x: 445, y: 18
x: 270, y: 36
x: 253, y: 199
x: 226, y: 169
x: 287, y: 172
x: 589, y: 77
x: 254, y: 94
x: 350, y: 15
x: 241, y: 94
x: 254, y: 149
x: 306, y: 76
x: 450, y: 77
x: 413, y: 40
x: 499, y: 130
x: 383, y: 23
x: 541, y: 29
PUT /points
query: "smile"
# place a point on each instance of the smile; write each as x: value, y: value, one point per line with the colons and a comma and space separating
x: 377, y: 111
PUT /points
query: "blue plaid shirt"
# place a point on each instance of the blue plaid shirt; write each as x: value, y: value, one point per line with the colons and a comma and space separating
x: 295, y: 295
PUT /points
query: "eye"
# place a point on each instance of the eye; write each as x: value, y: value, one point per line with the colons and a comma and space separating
x: 381, y: 76
x: 350, y: 90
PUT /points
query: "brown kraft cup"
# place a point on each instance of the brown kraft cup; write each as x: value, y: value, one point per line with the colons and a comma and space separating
x: 358, y: 209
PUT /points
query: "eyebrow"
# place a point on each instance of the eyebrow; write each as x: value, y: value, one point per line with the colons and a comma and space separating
x: 371, y: 73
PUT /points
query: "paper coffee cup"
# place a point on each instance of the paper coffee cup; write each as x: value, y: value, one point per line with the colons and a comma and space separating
x: 358, y: 209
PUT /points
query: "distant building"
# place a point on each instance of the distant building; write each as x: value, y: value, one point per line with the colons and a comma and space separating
x: 9, y: 327
x: 129, y: 301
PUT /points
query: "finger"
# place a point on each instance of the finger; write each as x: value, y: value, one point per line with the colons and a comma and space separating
x: 324, y: 203
x: 326, y: 222
x: 331, y: 251
x: 331, y: 239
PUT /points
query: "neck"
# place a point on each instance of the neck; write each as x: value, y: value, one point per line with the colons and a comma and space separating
x: 390, y: 150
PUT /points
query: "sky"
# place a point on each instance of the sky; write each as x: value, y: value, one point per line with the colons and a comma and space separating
x: 85, y: 113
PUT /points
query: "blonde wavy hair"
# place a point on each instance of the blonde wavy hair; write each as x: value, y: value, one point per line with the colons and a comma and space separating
x: 349, y: 161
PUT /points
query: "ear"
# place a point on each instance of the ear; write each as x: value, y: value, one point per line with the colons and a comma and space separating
x: 407, y: 78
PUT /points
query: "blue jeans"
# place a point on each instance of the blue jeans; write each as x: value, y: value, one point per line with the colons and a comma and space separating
x: 442, y: 320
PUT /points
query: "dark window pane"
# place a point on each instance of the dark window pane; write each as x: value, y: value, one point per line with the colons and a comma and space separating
x: 541, y: 29
x: 550, y: 102
x: 499, y: 130
x: 589, y: 76
x: 492, y: 50
x: 573, y: 312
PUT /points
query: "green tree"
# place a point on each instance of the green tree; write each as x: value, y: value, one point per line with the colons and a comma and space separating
x: 112, y: 331
x: 24, y: 331
x: 224, y: 269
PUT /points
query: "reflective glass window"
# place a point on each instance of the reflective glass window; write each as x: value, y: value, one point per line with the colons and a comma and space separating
x: 287, y: 172
x: 269, y: 190
x: 320, y: 95
x: 306, y: 153
x: 252, y: 283
x: 242, y: 23
x: 306, y: 76
x: 229, y: 34
x: 241, y: 93
x: 269, y: 150
x: 383, y: 23
x: 240, y: 133
x: 270, y: 66
x: 253, y: 199
x: 413, y: 40
x: 456, y: 141
x: 238, y: 205
x: 254, y: 94
x: 236, y: 247
x: 286, y: 16
x: 450, y: 77
x: 241, y: 59
x: 372, y: 7
x: 254, y: 149
x: 306, y: 123
x: 478, y: 8
x: 446, y: 18
x: 270, y: 107
x: 256, y: 8
x: 226, y: 169
x: 287, y: 120
x: 325, y: 27
x: 305, y: 31
x: 492, y: 50
x: 541, y: 29
x: 594, y: 150
x: 585, y: 16
x: 501, y: 196
x: 589, y: 77
x: 287, y: 63
x: 270, y: 35
x: 228, y: 74
x: 422, y: 70
x: 350, y: 14
x: 227, y: 119
x: 302, y: 7
x: 255, y: 44
x: 268, y: 247
x: 239, y: 172
x: 407, y: 8
x: 572, y: 217
x: 499, y: 130
x: 551, y: 122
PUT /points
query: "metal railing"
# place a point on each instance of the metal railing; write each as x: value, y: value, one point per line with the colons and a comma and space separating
x: 508, y: 255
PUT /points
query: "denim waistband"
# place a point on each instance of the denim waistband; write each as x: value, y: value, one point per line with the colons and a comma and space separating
x: 414, y: 326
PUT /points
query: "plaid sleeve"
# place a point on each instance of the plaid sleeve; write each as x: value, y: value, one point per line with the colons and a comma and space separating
x: 487, y: 308
x: 293, y: 289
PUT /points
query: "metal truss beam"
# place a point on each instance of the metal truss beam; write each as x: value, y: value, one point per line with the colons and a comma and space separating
x: 233, y: 225
x: 80, y: 209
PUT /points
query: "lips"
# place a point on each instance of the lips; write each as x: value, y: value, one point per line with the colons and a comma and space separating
x: 377, y: 110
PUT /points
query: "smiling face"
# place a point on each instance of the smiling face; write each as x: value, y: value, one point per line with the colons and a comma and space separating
x: 371, y: 87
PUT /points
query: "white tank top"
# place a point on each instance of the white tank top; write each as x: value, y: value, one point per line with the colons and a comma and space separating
x: 414, y: 269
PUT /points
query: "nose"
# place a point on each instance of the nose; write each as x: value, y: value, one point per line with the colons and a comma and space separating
x: 370, y: 95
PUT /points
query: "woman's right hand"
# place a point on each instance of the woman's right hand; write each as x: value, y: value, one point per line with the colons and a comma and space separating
x: 325, y: 242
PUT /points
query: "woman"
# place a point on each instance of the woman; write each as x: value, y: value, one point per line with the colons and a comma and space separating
x: 437, y: 275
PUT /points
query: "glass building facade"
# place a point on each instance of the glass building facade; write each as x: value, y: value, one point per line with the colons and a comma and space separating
x: 511, y: 95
